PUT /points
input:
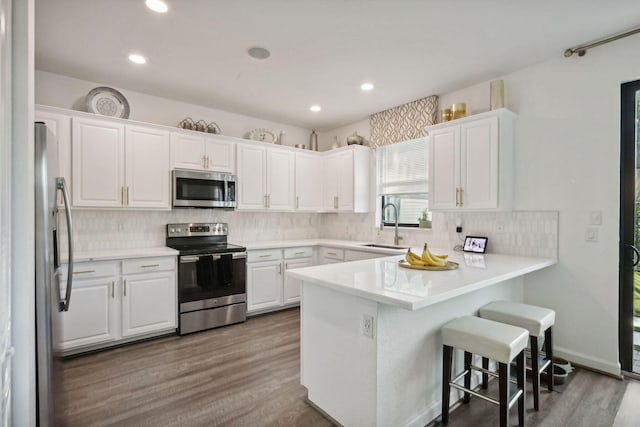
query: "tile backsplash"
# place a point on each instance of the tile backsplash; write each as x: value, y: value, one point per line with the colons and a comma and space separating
x: 527, y: 233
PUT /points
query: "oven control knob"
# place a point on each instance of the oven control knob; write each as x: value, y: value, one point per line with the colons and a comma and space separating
x: 179, y: 230
x: 172, y: 230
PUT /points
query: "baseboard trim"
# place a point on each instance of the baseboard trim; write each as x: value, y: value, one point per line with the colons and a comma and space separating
x: 593, y: 363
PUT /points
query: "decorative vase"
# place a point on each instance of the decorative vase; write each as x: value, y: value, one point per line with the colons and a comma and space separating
x: 496, y: 98
x: 424, y: 223
x: 313, y: 141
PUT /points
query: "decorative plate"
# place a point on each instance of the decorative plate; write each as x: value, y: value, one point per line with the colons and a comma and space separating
x: 107, y: 102
x: 264, y: 135
x: 450, y: 266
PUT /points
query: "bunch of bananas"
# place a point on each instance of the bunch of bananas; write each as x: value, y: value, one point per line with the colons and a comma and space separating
x: 426, y: 259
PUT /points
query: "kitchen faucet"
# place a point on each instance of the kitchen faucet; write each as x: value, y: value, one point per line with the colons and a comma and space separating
x: 396, y: 238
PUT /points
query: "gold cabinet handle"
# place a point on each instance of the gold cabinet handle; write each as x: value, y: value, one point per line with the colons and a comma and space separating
x: 124, y: 287
x: 297, y: 202
x: 204, y: 161
x: 150, y: 266
x: 84, y: 272
x: 286, y: 266
x: 265, y: 201
x: 457, y: 195
x: 279, y: 268
x: 127, y: 195
x: 113, y: 287
x: 337, y: 202
x: 331, y: 253
x: 269, y: 201
x: 461, y: 191
x: 264, y: 256
x: 207, y: 156
x: 122, y: 196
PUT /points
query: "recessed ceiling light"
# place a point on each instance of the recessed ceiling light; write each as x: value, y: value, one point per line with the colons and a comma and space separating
x: 315, y: 108
x: 366, y: 86
x: 138, y: 59
x: 258, y: 52
x: 157, y: 6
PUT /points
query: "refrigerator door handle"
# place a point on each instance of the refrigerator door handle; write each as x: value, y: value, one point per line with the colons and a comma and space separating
x: 62, y: 185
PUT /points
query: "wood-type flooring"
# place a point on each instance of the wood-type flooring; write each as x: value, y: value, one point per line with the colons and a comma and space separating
x: 249, y: 375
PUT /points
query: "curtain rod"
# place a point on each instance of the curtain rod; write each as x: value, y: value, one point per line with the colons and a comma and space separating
x: 582, y: 50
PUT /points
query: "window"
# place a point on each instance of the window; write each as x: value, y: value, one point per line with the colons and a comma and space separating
x: 403, y: 181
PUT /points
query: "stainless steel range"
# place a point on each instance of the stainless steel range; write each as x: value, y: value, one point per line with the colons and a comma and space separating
x: 211, y: 276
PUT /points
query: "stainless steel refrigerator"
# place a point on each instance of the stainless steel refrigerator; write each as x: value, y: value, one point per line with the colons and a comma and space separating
x: 50, y: 301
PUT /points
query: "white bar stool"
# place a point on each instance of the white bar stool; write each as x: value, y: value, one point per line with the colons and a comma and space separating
x: 536, y: 320
x: 498, y: 341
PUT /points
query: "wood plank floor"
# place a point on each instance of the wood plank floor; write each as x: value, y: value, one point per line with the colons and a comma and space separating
x: 248, y: 375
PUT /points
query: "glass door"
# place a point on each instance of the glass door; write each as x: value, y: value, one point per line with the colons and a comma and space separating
x: 629, y: 270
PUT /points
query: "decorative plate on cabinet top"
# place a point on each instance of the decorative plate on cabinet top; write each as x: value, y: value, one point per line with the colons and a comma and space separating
x: 107, y: 102
x: 264, y: 135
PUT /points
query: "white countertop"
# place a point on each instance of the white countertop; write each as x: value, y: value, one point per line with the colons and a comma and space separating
x: 343, y: 244
x: 83, y: 256
x: 383, y: 280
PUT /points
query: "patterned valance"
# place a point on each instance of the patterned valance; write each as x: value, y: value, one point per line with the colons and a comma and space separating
x: 404, y: 122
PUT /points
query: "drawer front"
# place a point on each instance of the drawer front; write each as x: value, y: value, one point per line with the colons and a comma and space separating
x: 332, y: 253
x: 304, y: 252
x: 148, y: 265
x: 91, y: 270
x: 264, y: 255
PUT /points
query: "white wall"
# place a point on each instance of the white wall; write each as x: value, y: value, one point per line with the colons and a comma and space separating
x: 22, y: 210
x: 566, y: 158
x: 326, y: 139
x: 66, y: 92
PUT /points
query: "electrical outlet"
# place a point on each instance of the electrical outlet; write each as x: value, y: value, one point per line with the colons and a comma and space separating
x: 591, y: 234
x: 367, y: 325
x: 595, y: 218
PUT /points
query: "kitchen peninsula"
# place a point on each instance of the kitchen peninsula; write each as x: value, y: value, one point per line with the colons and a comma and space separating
x: 370, y: 331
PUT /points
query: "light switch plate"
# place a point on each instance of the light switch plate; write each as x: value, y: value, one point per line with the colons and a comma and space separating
x: 595, y: 218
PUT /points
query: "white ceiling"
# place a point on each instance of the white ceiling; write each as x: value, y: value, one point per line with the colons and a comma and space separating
x: 321, y: 50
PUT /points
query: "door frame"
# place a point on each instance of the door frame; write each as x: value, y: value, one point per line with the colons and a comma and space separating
x: 627, y: 221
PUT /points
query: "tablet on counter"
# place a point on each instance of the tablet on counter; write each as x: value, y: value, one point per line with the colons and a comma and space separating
x: 475, y: 244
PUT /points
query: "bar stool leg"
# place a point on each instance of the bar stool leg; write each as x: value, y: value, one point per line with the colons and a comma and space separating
x: 467, y: 377
x: 503, y: 392
x: 447, y: 355
x: 485, y: 377
x: 548, y: 349
x: 535, y: 371
x: 520, y: 381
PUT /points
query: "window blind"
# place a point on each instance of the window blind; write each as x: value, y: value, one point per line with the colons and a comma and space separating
x: 402, y: 167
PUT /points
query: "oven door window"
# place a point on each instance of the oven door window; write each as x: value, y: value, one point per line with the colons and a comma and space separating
x: 199, y: 189
x: 210, y: 276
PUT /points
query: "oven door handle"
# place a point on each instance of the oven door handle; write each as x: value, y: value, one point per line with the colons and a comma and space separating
x: 185, y: 259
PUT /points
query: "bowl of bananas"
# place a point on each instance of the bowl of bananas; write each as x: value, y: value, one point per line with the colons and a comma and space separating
x: 427, y: 261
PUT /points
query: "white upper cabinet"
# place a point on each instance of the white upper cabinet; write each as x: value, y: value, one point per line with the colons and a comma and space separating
x: 120, y: 166
x: 308, y: 182
x: 59, y: 129
x: 203, y: 152
x: 347, y: 180
x: 265, y: 178
x: 98, y: 163
x: 470, y: 163
x: 148, y: 183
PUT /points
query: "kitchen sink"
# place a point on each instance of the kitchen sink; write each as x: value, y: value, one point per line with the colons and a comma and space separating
x: 376, y: 245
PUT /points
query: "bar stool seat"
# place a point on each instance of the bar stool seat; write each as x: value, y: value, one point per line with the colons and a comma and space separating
x: 537, y: 321
x: 498, y: 341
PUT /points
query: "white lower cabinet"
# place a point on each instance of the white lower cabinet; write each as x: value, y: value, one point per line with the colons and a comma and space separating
x: 267, y: 287
x: 118, y: 301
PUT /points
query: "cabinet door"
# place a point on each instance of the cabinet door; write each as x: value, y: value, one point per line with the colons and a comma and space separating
x: 187, y: 151
x: 308, y: 182
x: 98, y: 163
x: 251, y: 185
x: 479, y: 164
x: 280, y: 179
x: 147, y: 172
x: 58, y: 136
x: 148, y: 303
x: 330, y: 192
x: 291, y: 289
x: 344, y: 162
x: 221, y: 155
x: 444, y: 168
x: 92, y: 316
x: 264, y: 285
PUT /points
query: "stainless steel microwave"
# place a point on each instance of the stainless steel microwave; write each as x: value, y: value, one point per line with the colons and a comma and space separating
x: 193, y: 189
